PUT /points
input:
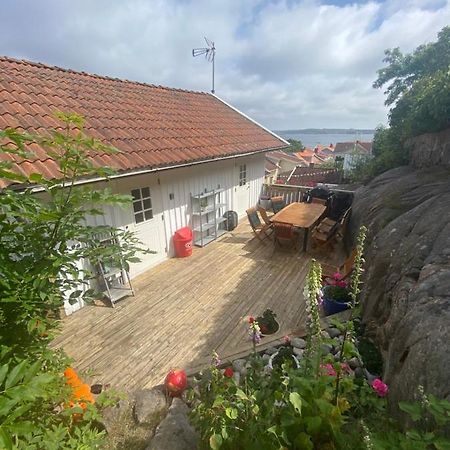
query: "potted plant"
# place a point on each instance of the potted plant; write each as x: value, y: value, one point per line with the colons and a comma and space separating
x: 284, y: 354
x: 335, y: 299
x: 268, y: 323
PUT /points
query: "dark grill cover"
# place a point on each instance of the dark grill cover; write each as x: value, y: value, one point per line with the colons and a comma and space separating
x: 232, y: 220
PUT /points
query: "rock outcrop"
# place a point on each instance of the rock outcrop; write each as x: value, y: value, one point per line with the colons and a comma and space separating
x: 407, y: 279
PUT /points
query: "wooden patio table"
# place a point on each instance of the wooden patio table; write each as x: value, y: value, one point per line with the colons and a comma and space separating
x: 300, y: 215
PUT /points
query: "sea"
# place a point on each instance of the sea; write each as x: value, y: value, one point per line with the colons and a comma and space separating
x: 311, y: 140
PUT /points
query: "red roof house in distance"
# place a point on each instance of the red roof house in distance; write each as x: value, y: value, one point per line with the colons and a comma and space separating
x: 173, y: 144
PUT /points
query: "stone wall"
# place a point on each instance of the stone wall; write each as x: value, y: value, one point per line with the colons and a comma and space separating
x: 432, y: 149
x: 406, y: 293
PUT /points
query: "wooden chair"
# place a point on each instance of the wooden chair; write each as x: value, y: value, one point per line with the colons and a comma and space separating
x: 263, y: 213
x: 344, y: 269
x: 284, y: 234
x: 328, y: 230
x: 277, y: 204
x: 324, y: 234
x: 258, y: 228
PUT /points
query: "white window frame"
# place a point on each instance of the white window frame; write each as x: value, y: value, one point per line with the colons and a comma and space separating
x: 242, y: 174
x: 142, y: 198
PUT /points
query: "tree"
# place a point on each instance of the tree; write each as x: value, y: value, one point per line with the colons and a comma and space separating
x: 418, y: 88
x: 42, y: 238
x: 418, y: 93
x: 296, y: 146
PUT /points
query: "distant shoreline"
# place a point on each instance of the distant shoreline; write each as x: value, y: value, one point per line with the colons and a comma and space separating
x: 326, y: 131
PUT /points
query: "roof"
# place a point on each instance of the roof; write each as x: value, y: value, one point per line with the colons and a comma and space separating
x: 270, y: 165
x: 310, y: 157
x: 279, y: 155
x: 350, y: 147
x: 152, y: 126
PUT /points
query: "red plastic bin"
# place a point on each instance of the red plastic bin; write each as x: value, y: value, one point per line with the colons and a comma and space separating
x: 182, y: 241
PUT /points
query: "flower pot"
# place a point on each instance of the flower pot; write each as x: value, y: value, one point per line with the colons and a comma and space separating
x: 331, y: 305
x: 267, y: 331
x: 270, y: 363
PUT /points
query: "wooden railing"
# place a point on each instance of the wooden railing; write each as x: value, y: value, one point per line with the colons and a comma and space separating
x: 291, y: 193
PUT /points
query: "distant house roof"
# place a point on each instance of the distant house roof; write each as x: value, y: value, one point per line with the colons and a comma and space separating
x: 308, y: 176
x: 310, y: 157
x: 351, y: 147
x: 270, y: 165
x: 279, y: 155
x: 152, y: 126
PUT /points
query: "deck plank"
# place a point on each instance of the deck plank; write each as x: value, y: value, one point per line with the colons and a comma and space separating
x: 184, y: 309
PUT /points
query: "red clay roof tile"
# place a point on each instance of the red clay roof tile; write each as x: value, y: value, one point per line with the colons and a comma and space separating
x: 152, y: 126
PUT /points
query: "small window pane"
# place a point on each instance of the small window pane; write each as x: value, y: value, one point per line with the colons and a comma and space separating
x: 148, y: 214
x: 136, y: 193
x: 145, y: 192
x: 147, y: 203
x: 137, y: 206
x: 139, y: 217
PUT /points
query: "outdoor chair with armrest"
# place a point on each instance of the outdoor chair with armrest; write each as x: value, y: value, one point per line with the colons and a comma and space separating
x: 328, y: 230
x: 278, y: 204
x: 261, y: 230
x: 263, y: 213
x: 285, y: 234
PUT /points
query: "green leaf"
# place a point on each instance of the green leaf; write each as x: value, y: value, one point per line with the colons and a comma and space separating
x: 303, y: 441
x: 15, y: 375
x: 35, y: 178
x: 5, y: 440
x: 215, y: 441
x: 231, y: 413
x: 241, y: 394
x: 414, y: 410
x: 296, y: 401
x: 3, y: 371
x: 313, y: 424
x: 218, y: 401
x: 441, y: 443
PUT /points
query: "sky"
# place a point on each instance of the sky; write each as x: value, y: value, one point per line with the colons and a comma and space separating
x: 288, y: 64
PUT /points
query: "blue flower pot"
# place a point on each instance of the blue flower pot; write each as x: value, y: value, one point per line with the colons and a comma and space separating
x: 331, y: 306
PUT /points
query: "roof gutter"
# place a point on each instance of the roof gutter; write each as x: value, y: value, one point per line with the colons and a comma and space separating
x: 154, y: 170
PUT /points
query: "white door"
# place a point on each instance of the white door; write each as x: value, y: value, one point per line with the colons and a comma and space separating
x: 148, y: 224
x: 242, y: 190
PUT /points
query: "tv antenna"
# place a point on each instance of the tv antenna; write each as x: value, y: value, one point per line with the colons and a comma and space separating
x: 210, y: 53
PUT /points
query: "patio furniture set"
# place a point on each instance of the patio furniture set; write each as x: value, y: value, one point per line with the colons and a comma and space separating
x: 285, y: 225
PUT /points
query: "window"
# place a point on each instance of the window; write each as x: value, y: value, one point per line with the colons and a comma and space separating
x: 142, y: 204
x: 242, y: 175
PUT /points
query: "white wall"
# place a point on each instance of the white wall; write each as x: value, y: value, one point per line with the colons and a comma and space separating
x: 171, y: 214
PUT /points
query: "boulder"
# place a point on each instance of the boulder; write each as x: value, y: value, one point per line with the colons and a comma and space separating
x: 175, y: 432
x: 150, y: 406
x: 298, y: 342
x: 406, y: 292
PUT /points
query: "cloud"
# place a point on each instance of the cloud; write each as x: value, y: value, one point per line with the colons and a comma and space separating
x: 286, y: 63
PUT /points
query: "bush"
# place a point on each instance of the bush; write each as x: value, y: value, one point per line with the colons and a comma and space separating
x: 41, y: 242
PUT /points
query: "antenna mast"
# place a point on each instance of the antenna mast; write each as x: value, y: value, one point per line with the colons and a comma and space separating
x: 210, y: 53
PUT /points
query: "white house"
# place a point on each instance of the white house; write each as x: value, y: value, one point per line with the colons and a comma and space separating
x: 173, y: 144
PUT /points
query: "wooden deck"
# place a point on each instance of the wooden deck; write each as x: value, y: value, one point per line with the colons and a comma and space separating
x: 186, y: 308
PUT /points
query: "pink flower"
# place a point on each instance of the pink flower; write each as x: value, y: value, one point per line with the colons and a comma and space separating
x: 328, y: 369
x: 380, y: 388
x: 341, y: 283
x: 251, y: 319
x: 286, y: 340
x: 337, y: 276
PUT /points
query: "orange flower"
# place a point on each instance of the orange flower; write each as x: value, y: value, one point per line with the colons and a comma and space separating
x: 81, y: 391
x: 72, y: 378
